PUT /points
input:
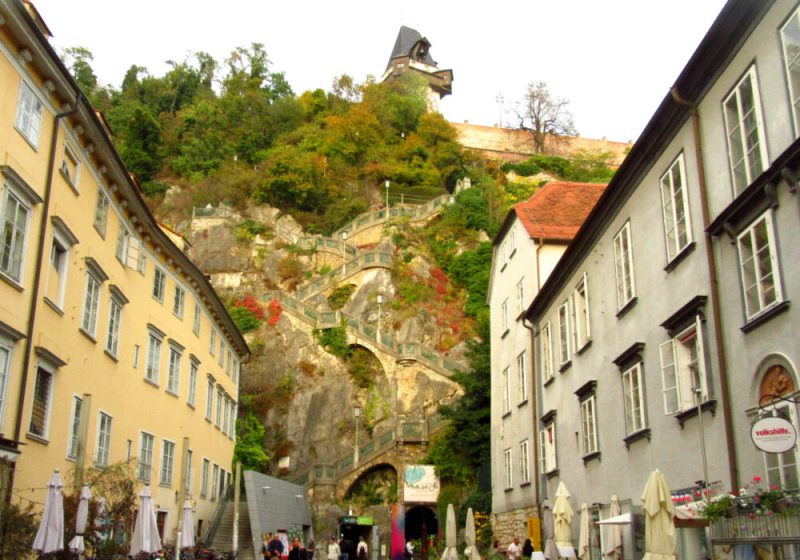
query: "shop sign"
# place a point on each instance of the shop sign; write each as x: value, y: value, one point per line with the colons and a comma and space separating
x: 420, y: 484
x: 773, y: 434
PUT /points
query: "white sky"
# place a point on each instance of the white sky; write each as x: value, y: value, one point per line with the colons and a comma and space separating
x: 613, y: 59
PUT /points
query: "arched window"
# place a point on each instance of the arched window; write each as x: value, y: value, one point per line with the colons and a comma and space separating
x: 782, y: 468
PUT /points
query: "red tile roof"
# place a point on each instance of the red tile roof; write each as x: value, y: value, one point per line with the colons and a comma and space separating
x: 558, y: 209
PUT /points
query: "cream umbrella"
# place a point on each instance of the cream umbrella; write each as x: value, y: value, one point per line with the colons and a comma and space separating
x: 450, y: 551
x: 145, y: 532
x: 562, y: 516
x: 548, y: 526
x: 471, y: 552
x: 50, y: 536
x: 76, y: 545
x: 614, y: 541
x: 659, y: 527
x: 583, y: 540
x: 187, y: 528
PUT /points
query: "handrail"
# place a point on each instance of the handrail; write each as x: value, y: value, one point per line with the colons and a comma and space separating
x: 216, y: 517
x: 369, y: 259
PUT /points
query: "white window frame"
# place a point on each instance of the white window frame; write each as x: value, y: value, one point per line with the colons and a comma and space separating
x: 209, y: 398
x: 589, y: 441
x: 10, y: 265
x: 70, y: 166
x: 144, y: 463
x: 204, y: 478
x: 30, y: 113
x: 196, y: 319
x: 633, y: 399
x: 509, y: 469
x: 91, y: 304
x: 504, y: 316
x: 159, y: 284
x: 503, y: 256
x: 212, y: 349
x: 521, y: 295
x: 225, y: 415
x: 174, y: 369
x: 623, y: 266
x: 564, y: 350
x: 73, y: 436
x: 50, y: 370
x: 105, y: 423
x: 114, y: 326
x: 218, y: 417
x: 123, y: 235
x: 737, y: 136
x: 101, y: 210
x: 221, y: 355
x: 506, y: 380
x: 512, y: 236
x: 167, y: 462
x: 679, y: 372
x: 547, y: 353
x: 522, y: 377
x: 581, y: 321
x: 675, y: 209
x: 791, y: 63
x: 214, y: 481
x: 6, y: 359
x: 751, y: 270
x: 179, y: 302
x: 776, y: 473
x: 153, y: 368
x: 547, y: 448
x: 191, y: 393
x: 524, y: 462
x: 59, y: 265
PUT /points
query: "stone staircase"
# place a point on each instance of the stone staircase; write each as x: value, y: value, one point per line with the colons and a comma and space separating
x: 222, y: 539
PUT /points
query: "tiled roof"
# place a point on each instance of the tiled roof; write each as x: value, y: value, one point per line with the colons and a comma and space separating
x: 558, y: 209
x: 406, y: 39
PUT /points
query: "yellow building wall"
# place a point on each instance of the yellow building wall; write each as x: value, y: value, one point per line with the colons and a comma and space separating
x: 117, y: 386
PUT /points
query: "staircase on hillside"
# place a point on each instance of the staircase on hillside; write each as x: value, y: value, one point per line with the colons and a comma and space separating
x: 222, y: 538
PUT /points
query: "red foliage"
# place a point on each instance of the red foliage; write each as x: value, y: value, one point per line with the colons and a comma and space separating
x: 275, y: 310
x: 250, y: 303
x: 438, y: 274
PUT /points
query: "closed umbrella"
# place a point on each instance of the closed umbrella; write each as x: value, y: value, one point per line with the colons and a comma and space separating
x: 50, y: 536
x: 187, y: 526
x: 548, y: 525
x: 562, y: 516
x: 450, y: 552
x: 471, y: 551
x: 614, y: 541
x: 659, y: 527
x: 76, y: 545
x: 583, y: 540
x: 145, y: 532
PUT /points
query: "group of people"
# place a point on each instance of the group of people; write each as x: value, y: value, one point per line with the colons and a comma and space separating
x: 345, y: 550
x: 514, y: 550
x: 273, y: 548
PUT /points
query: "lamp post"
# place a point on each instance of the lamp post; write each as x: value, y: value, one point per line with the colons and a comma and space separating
x: 698, y: 392
x: 357, y: 410
x: 344, y: 246
x: 387, y: 197
x: 380, y: 301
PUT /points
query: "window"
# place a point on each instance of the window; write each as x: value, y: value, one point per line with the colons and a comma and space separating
x: 581, y: 330
x: 513, y: 242
x: 153, y: 357
x: 159, y: 284
x: 675, y: 206
x: 177, y: 306
x: 747, y: 153
x: 15, y: 228
x: 521, y: 295
x: 589, y: 425
x: 524, y: 463
x: 192, y: 391
x: 503, y: 256
x: 196, y: 321
x: 213, y: 347
x: 74, y: 437
x: 221, y: 356
x: 91, y: 301
x: 218, y: 421
x: 782, y: 468
x: 759, y: 266
x: 103, y: 440
x: 232, y: 430
x: 506, y: 392
x: 508, y: 468
x: 209, y: 398
x: 187, y: 473
x: 59, y: 261
x: 145, y: 465
x: 547, y: 353
x: 122, y: 243
x: 504, y: 316
x: 114, y: 322
x: 204, y: 479
x: 563, y: 333
x: 623, y: 265
x: 214, y: 479
x: 40, y: 408
x: 174, y: 370
x: 70, y: 165
x: 101, y: 213
x: 225, y: 417
x: 5, y: 365
x: 790, y: 39
x: 228, y: 361
x: 683, y: 371
x: 29, y: 114
x: 547, y: 447
x: 167, y: 460
x: 522, y: 378
x: 633, y: 397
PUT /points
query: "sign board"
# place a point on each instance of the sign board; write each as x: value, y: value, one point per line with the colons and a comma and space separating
x: 773, y: 434
x: 420, y: 484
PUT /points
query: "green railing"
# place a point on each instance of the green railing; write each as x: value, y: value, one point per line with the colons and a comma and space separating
x: 371, y: 259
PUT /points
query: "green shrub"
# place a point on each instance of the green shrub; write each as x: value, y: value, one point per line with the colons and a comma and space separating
x: 244, y: 319
x: 334, y: 340
x: 523, y: 169
x: 248, y: 229
x: 340, y: 296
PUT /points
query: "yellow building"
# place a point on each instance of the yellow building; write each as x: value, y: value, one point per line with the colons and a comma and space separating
x: 113, y: 345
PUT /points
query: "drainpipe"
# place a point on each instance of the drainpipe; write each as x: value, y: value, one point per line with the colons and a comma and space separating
x: 534, y: 412
x: 48, y: 188
x: 727, y: 415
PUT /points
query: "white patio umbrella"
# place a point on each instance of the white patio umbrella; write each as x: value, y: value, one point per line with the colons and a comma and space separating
x: 562, y: 516
x: 614, y: 541
x: 450, y: 552
x: 471, y: 552
x: 550, y: 550
x: 583, y: 540
x: 76, y: 545
x: 50, y: 536
x: 145, y: 532
x: 187, y: 526
x: 659, y: 527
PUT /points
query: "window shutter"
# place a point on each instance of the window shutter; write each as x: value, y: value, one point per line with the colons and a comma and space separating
x: 701, y: 357
x: 586, y: 306
x: 669, y: 377
x: 551, y: 458
x: 542, y: 453
x: 134, y: 253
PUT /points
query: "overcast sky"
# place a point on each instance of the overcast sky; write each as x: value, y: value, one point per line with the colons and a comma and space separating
x: 613, y: 59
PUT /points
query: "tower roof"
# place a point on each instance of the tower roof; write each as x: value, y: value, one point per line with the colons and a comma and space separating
x: 407, y: 40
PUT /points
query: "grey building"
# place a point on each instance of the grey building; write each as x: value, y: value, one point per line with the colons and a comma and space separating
x: 675, y: 294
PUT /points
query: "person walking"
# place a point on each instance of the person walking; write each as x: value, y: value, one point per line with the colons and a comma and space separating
x: 409, y: 554
x: 333, y: 549
x: 275, y: 547
x: 265, y: 546
x: 310, y: 549
x: 527, y: 549
x: 513, y: 551
x: 361, y: 549
x: 296, y: 551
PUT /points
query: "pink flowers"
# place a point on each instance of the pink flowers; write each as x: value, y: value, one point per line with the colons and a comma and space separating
x: 756, y: 479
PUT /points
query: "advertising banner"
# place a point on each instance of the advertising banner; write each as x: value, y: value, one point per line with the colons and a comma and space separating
x: 773, y: 434
x: 420, y: 484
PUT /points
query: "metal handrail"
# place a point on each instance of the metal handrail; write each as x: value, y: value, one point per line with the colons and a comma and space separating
x: 216, y: 517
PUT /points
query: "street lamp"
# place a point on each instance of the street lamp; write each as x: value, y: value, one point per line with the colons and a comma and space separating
x: 387, y: 197
x: 344, y: 246
x: 357, y: 410
x: 380, y: 301
x: 698, y: 391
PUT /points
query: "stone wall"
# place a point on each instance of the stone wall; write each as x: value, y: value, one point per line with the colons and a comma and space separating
x: 510, y: 524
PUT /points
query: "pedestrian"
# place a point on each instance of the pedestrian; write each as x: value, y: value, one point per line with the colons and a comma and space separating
x: 498, y: 550
x: 265, y: 546
x: 296, y: 551
x: 409, y: 554
x: 275, y: 547
x: 333, y: 549
x: 513, y: 552
x: 310, y: 549
x: 527, y: 549
x: 361, y: 550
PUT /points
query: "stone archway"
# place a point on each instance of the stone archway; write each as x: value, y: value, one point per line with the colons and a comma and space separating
x: 375, y: 485
x: 422, y: 524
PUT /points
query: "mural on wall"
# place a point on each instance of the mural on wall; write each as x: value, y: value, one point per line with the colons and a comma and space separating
x: 398, y: 531
x: 420, y: 484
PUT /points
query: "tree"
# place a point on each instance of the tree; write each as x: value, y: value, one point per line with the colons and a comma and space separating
x: 543, y: 116
x: 79, y: 59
